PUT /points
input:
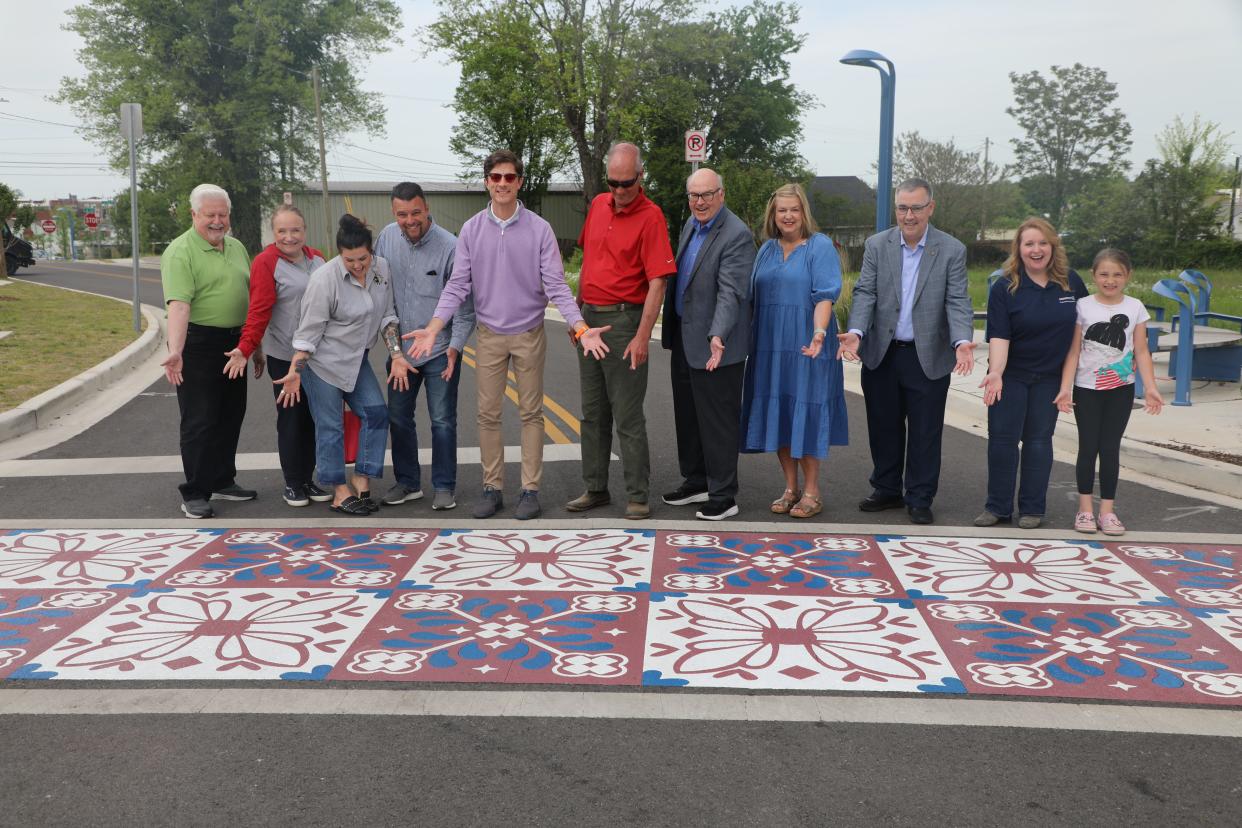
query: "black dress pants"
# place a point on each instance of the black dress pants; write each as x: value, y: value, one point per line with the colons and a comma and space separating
x: 707, y: 409
x: 295, y: 432
x: 905, y: 423
x: 212, y: 409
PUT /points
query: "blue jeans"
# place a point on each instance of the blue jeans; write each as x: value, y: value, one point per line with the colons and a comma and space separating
x: 1023, y: 413
x: 441, y: 410
x: 367, y: 401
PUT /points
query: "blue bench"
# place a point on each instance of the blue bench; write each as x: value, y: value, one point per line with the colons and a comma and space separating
x: 1201, y: 289
x: 1200, y: 353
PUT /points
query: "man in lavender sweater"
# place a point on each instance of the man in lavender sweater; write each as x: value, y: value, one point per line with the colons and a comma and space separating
x: 508, y: 257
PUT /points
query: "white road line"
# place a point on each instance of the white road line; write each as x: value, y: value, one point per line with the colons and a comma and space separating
x: 629, y: 705
x: 256, y: 461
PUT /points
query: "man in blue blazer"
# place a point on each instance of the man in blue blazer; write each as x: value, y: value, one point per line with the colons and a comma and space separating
x: 707, y: 327
x: 911, y: 323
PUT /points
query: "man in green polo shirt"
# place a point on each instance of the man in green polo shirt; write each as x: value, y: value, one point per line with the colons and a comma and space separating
x: 206, y: 275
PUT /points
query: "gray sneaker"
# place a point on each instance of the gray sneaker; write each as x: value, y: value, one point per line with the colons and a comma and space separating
x: 197, y: 508
x: 1030, y: 521
x: 490, y: 503
x: 444, y: 500
x: 986, y: 518
x: 528, y: 505
x: 400, y: 493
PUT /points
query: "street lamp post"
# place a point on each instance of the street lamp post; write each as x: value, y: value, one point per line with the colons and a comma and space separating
x: 888, y: 85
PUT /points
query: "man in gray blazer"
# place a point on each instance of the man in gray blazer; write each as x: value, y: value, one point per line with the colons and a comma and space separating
x: 707, y: 327
x: 911, y: 323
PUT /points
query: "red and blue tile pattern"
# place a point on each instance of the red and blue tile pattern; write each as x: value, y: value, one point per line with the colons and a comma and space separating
x: 816, y: 612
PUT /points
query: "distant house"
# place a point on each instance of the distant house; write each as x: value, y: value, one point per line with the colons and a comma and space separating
x: 450, y: 202
x: 844, y: 206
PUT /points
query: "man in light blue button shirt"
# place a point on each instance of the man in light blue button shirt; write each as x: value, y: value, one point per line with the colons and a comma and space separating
x: 911, y: 324
x: 419, y: 253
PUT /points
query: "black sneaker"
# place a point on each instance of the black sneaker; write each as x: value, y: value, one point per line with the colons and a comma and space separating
x: 684, y: 496
x: 317, y: 494
x: 197, y: 509
x: 234, y: 492
x: 295, y: 497
x: 718, y: 510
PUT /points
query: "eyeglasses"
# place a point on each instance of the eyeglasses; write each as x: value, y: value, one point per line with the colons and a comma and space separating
x: 508, y: 178
x: 621, y: 185
x: 707, y: 196
x: 912, y: 208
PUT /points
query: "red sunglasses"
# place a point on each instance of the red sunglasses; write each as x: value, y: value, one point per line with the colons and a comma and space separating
x: 508, y: 178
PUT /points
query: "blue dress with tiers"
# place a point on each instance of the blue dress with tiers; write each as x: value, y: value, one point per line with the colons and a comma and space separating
x: 789, y: 399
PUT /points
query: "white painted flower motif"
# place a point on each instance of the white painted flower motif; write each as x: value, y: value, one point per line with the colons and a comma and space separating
x: 700, y: 583
x: 979, y: 570
x: 579, y: 560
x: 1222, y: 685
x: 428, y: 600
x: 1009, y: 675
x: 693, y: 540
x: 963, y: 612
x: 837, y: 544
x: 843, y: 639
x: 1152, y: 618
x: 254, y: 537
x: 82, y: 558
x: 305, y: 555
x: 363, y: 578
x: 592, y: 665
x: 1149, y: 553
x: 494, y: 629
x: 603, y: 603
x: 199, y: 577
x: 10, y: 655
x: 764, y: 561
x: 79, y: 600
x: 400, y: 537
x: 861, y: 586
x: 1212, y: 597
x: 392, y: 662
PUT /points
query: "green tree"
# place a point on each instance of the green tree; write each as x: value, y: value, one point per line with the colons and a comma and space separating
x: 162, y: 217
x: 728, y: 72
x: 504, y: 98
x: 1107, y: 213
x: 1176, y: 189
x: 225, y: 87
x: 1073, y: 132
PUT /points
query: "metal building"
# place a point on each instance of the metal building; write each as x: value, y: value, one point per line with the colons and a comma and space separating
x: 451, y: 203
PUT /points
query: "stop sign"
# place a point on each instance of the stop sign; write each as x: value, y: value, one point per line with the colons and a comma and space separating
x: 92, y: 220
x: 48, y: 225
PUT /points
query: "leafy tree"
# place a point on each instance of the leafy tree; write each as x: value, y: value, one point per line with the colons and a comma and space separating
x: 504, y: 97
x: 1107, y: 213
x: 729, y: 73
x: 1176, y: 188
x: 225, y: 87
x: 1073, y: 132
x: 162, y: 217
x: 8, y: 201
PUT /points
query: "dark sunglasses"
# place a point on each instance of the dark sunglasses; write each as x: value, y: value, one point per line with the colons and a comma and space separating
x: 508, y: 178
x: 621, y: 185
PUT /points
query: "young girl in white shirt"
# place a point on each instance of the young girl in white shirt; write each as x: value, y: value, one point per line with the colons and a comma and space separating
x: 1097, y: 384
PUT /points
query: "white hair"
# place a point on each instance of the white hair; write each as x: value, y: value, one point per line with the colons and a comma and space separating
x: 719, y: 180
x: 625, y: 148
x: 206, y: 192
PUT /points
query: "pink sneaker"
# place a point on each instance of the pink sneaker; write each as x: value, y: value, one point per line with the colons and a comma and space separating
x: 1111, y: 525
x: 1084, y: 522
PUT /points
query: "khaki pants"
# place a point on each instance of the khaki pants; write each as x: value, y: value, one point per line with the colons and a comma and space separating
x: 493, y: 356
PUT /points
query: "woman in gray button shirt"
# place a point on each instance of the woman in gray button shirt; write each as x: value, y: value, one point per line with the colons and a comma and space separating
x: 348, y: 301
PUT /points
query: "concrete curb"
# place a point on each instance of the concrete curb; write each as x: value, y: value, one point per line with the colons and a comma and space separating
x: 40, y: 411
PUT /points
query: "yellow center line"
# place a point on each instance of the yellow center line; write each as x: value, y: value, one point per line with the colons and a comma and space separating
x: 552, y: 405
x: 550, y: 428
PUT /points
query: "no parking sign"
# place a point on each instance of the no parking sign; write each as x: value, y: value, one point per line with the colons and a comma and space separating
x: 696, y: 145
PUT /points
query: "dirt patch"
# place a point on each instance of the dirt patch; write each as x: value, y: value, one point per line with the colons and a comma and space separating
x: 1222, y: 456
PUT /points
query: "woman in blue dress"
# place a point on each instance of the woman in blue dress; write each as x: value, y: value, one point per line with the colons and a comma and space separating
x: 794, y: 396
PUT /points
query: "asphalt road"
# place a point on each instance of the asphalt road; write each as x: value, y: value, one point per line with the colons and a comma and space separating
x: 148, y: 426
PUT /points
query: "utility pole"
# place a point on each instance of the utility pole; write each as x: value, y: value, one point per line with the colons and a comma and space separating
x: 983, y: 210
x: 1233, y: 194
x: 323, y: 162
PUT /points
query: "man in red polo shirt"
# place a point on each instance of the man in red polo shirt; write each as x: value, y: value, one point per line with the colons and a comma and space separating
x: 626, y: 257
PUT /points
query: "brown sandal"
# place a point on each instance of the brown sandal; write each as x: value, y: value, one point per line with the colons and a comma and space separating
x: 800, y: 510
x: 785, y: 502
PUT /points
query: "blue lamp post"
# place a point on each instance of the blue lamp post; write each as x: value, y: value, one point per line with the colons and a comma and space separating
x: 888, y: 85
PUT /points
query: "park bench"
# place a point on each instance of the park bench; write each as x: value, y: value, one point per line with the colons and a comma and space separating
x: 1196, y: 351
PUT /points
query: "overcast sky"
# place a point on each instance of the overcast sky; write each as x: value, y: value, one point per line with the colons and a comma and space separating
x: 953, y: 58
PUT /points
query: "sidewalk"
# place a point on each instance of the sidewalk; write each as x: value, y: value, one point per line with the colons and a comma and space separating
x: 1184, y: 444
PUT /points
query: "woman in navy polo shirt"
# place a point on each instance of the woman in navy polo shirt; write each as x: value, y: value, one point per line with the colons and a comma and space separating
x: 1031, y: 318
